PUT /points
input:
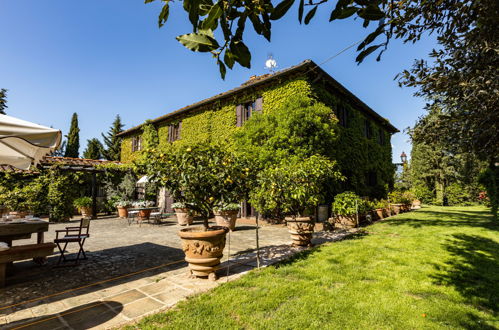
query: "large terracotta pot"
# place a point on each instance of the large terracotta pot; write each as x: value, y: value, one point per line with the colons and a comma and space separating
x: 203, y: 249
x: 86, y: 212
x: 380, y: 213
x: 122, y: 211
x: 416, y: 204
x: 301, y: 230
x: 144, y: 214
x: 226, y: 218
x: 407, y: 207
x: 387, y: 212
x: 345, y: 221
x: 184, y: 217
x: 396, y: 208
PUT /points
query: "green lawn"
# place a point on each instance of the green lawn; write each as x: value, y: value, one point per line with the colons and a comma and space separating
x: 437, y: 267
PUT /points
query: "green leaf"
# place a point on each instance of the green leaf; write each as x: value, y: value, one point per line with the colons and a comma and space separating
x: 370, y: 38
x: 213, y: 15
x: 281, y: 9
x: 372, y: 13
x: 148, y: 1
x: 366, y: 52
x: 241, y: 53
x: 300, y: 10
x: 194, y: 13
x: 310, y: 15
x: 342, y: 13
x: 163, y: 16
x: 229, y: 58
x: 222, y: 68
x: 198, y: 42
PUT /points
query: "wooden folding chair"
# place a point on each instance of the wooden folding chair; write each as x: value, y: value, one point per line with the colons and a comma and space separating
x: 73, y: 235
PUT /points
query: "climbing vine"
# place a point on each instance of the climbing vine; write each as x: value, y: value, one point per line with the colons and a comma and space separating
x: 366, y: 162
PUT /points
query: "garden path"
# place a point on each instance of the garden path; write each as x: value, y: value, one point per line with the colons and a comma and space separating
x: 132, y: 271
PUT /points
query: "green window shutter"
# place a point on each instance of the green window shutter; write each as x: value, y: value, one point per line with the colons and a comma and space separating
x: 239, y: 115
x: 258, y: 104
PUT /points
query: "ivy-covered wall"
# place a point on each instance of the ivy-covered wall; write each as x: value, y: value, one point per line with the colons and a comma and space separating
x: 217, y: 122
x: 357, y: 155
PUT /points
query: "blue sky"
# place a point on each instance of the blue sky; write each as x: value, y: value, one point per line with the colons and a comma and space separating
x: 100, y: 58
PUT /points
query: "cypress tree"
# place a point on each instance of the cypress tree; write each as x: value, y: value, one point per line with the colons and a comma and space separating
x: 3, y: 101
x: 73, y: 138
x: 93, y: 150
x: 112, y: 141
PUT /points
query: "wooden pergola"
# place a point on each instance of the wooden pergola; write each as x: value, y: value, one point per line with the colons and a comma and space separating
x: 79, y: 165
x: 68, y: 164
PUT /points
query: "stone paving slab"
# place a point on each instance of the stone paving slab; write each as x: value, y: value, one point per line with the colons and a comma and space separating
x: 126, y: 298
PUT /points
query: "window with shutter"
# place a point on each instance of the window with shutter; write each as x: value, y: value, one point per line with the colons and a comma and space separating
x: 136, y: 143
x: 239, y: 115
x: 342, y: 113
x: 174, y: 132
x: 244, y: 111
x: 367, y: 129
x: 381, y: 137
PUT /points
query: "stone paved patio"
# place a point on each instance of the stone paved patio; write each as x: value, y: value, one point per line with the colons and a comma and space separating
x: 132, y: 271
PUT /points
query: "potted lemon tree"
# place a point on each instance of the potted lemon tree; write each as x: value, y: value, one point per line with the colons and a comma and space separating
x: 201, y: 177
x: 295, y: 187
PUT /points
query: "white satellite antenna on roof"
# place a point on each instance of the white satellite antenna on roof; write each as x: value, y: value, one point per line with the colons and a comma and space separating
x: 271, y: 64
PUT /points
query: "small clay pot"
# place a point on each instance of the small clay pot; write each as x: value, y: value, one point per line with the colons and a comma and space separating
x: 396, y: 208
x: 144, y: 214
x: 379, y: 213
x: 183, y: 217
x: 346, y: 221
x: 203, y: 249
x: 301, y: 230
x: 86, y: 211
x: 226, y: 218
x: 122, y: 211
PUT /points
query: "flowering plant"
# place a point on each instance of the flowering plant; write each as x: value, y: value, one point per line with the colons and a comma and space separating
x: 143, y: 203
x: 122, y: 203
x: 179, y: 205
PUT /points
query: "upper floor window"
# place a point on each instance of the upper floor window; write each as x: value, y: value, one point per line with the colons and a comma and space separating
x: 368, y: 132
x: 136, y: 143
x: 245, y: 110
x: 381, y: 137
x: 174, y: 132
x: 342, y: 113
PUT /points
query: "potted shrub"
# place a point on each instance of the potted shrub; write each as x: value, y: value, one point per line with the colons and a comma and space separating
x: 294, y: 186
x: 226, y: 215
x: 84, y: 205
x: 407, y: 198
x: 395, y: 198
x: 144, y: 209
x: 122, y: 206
x: 381, y: 208
x: 184, y: 216
x: 199, y: 176
x: 346, y: 207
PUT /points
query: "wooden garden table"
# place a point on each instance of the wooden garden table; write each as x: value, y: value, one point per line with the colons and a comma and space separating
x: 10, y: 231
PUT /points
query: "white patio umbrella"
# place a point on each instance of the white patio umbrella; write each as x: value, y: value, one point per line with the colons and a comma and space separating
x: 23, y: 143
